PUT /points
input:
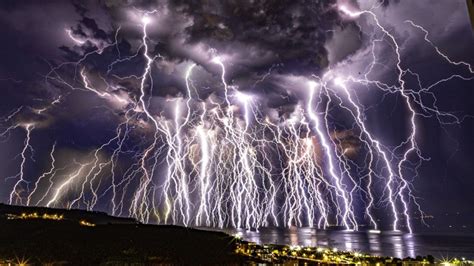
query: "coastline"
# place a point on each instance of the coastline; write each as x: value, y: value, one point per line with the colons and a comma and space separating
x: 33, y: 235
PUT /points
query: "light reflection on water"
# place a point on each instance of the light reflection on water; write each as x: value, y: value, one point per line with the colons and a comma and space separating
x: 395, y: 244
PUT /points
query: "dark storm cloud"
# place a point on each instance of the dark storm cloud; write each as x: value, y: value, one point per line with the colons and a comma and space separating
x: 449, y: 147
x: 31, y: 33
x: 252, y: 37
x: 265, y: 45
x: 288, y: 32
x: 344, y: 42
x: 34, y: 38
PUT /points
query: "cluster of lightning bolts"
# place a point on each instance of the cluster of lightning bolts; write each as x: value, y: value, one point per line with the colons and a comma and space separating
x: 224, y: 163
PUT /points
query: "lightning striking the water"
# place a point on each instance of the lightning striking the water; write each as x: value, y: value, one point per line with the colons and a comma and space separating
x: 221, y: 160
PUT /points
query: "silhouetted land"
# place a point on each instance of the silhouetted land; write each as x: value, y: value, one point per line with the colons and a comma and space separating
x: 75, y: 237
x: 111, y: 241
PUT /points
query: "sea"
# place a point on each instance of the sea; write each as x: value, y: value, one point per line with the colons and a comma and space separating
x: 442, y: 246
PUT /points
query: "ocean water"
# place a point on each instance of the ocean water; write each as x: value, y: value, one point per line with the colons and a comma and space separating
x: 385, y: 243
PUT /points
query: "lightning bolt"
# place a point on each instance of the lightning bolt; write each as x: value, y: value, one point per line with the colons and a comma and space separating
x: 222, y: 161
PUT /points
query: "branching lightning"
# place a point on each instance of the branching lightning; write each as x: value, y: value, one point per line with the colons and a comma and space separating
x: 223, y: 162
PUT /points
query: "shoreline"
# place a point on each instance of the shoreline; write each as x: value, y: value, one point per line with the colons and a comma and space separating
x: 72, y: 237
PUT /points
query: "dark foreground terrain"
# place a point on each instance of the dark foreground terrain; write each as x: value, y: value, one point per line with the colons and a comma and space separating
x: 85, y: 238
x: 44, y: 236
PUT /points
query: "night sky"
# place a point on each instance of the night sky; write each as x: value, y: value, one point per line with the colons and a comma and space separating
x: 270, y: 50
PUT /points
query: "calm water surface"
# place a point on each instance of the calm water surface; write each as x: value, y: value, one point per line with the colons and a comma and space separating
x: 394, y: 244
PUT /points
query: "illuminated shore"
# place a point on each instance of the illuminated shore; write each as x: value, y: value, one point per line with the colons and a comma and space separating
x: 32, y: 236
